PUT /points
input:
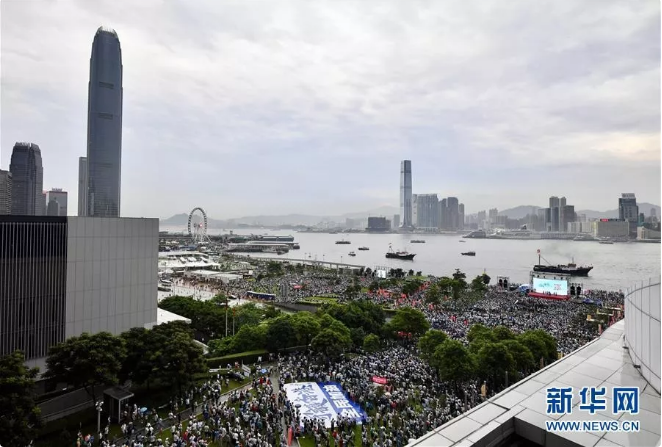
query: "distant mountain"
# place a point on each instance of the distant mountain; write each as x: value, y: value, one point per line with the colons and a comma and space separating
x: 519, y: 211
x: 181, y: 220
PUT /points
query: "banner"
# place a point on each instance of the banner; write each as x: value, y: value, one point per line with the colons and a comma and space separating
x: 311, y: 401
x: 380, y: 380
x: 341, y: 403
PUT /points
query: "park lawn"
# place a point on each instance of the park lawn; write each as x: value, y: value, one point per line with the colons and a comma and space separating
x: 320, y: 299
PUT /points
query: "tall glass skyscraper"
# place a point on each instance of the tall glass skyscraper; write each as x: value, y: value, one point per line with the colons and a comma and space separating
x: 104, y: 126
x: 405, y: 194
x: 27, y: 180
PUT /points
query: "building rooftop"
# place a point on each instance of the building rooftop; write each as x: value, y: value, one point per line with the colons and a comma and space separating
x: 106, y: 29
x: 520, y: 411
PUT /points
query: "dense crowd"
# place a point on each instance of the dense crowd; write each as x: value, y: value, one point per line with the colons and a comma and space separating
x: 409, y: 405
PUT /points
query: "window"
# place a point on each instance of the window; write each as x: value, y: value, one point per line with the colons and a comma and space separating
x: 107, y: 116
x: 106, y: 85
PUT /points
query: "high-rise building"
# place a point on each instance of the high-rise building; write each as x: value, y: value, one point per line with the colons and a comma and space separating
x: 396, y: 221
x: 427, y: 211
x: 82, y: 186
x: 629, y: 210
x: 84, y: 275
x: 104, y: 126
x: 414, y: 210
x: 406, y: 194
x: 378, y: 224
x: 5, y: 192
x: 27, y: 180
x: 567, y: 216
x: 492, y: 215
x: 453, y: 213
x: 60, y: 197
x: 443, y: 214
x: 461, y: 217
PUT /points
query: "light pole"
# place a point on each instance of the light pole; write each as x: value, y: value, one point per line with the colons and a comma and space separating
x: 99, y: 407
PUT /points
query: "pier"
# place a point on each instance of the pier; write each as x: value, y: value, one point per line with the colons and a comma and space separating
x: 309, y: 262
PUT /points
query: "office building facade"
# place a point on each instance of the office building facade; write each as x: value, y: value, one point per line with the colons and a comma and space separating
x: 629, y: 210
x: 60, y: 197
x: 427, y: 211
x: 378, y: 224
x: 611, y: 228
x: 396, y: 221
x: 27, y: 180
x: 82, y: 186
x: 406, y: 194
x: 104, y: 126
x: 62, y: 276
x: 5, y: 192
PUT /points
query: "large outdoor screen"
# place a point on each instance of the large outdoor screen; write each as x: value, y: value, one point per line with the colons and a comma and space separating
x: 551, y: 286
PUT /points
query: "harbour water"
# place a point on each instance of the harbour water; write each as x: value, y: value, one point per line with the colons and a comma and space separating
x: 615, y: 267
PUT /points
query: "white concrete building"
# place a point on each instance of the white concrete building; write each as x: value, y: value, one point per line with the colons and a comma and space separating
x: 611, y: 228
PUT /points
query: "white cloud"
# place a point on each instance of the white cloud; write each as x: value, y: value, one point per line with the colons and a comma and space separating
x: 292, y: 106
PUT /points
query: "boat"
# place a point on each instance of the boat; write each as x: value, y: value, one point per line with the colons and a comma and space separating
x: 462, y: 241
x: 478, y: 234
x: 469, y: 253
x: 281, y: 252
x: 571, y: 269
x: 417, y: 241
x: 351, y: 253
x: 607, y: 242
x: 402, y: 255
x: 364, y: 248
x: 343, y: 242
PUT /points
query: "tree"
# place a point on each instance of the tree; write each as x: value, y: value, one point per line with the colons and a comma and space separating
x: 274, y: 268
x: 331, y: 343
x: 247, y: 315
x: 281, y: 334
x: 486, y: 278
x: 522, y: 355
x: 410, y: 272
x: 480, y: 331
x: 179, y: 360
x: 306, y: 327
x: 535, y: 344
x: 411, y: 320
x: 551, y: 348
x: 433, y: 295
x: 352, y: 291
x: 371, y: 343
x: 428, y: 343
x: 503, y: 333
x: 478, y: 285
x: 411, y: 286
x: 137, y: 365
x: 453, y: 362
x: 19, y: 415
x: 374, y: 286
x: 87, y: 361
x: 249, y: 338
x: 271, y: 312
x: 493, y: 361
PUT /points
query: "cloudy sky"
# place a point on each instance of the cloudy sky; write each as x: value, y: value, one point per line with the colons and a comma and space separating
x: 274, y: 107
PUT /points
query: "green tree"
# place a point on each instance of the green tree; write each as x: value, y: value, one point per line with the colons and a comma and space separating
x: 486, y: 278
x: 281, y: 334
x: 478, y: 284
x: 453, y: 362
x: 179, y: 360
x: 433, y: 295
x: 250, y: 338
x: 87, y: 361
x: 551, y: 348
x: 220, y: 346
x: 493, y: 361
x: 480, y: 331
x: 271, y: 312
x: 357, y: 334
x: 306, y: 327
x: 331, y: 342
x: 137, y: 365
x: 19, y: 415
x: 524, y: 360
x: 535, y: 344
x: 411, y: 286
x: 411, y: 320
x: 371, y: 343
x: 428, y: 343
x: 274, y: 268
x: 503, y: 333
x: 247, y: 315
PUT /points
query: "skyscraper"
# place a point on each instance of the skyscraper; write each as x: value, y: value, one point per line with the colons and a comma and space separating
x: 629, y: 210
x: 104, y: 126
x: 60, y: 197
x: 82, y: 186
x: 27, y: 180
x: 405, y: 194
x: 5, y: 192
x: 461, y: 216
x: 427, y: 211
x: 453, y: 213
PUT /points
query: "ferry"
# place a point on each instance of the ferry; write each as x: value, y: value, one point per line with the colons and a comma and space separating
x: 364, y: 248
x: 351, y: 253
x: 469, y: 253
x: 402, y: 255
x: 417, y: 241
x: 343, y: 242
x: 607, y: 242
x: 478, y: 234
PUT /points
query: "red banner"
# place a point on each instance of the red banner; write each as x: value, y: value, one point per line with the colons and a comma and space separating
x: 289, y: 436
x: 380, y: 380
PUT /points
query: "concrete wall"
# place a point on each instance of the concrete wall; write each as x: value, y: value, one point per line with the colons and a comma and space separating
x: 111, y: 274
x: 642, y: 329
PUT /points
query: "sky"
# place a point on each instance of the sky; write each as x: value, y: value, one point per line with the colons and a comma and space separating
x: 278, y: 107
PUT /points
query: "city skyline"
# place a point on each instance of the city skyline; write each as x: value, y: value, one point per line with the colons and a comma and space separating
x: 323, y: 112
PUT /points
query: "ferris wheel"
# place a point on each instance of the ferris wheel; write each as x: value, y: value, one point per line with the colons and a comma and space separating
x: 197, y: 225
